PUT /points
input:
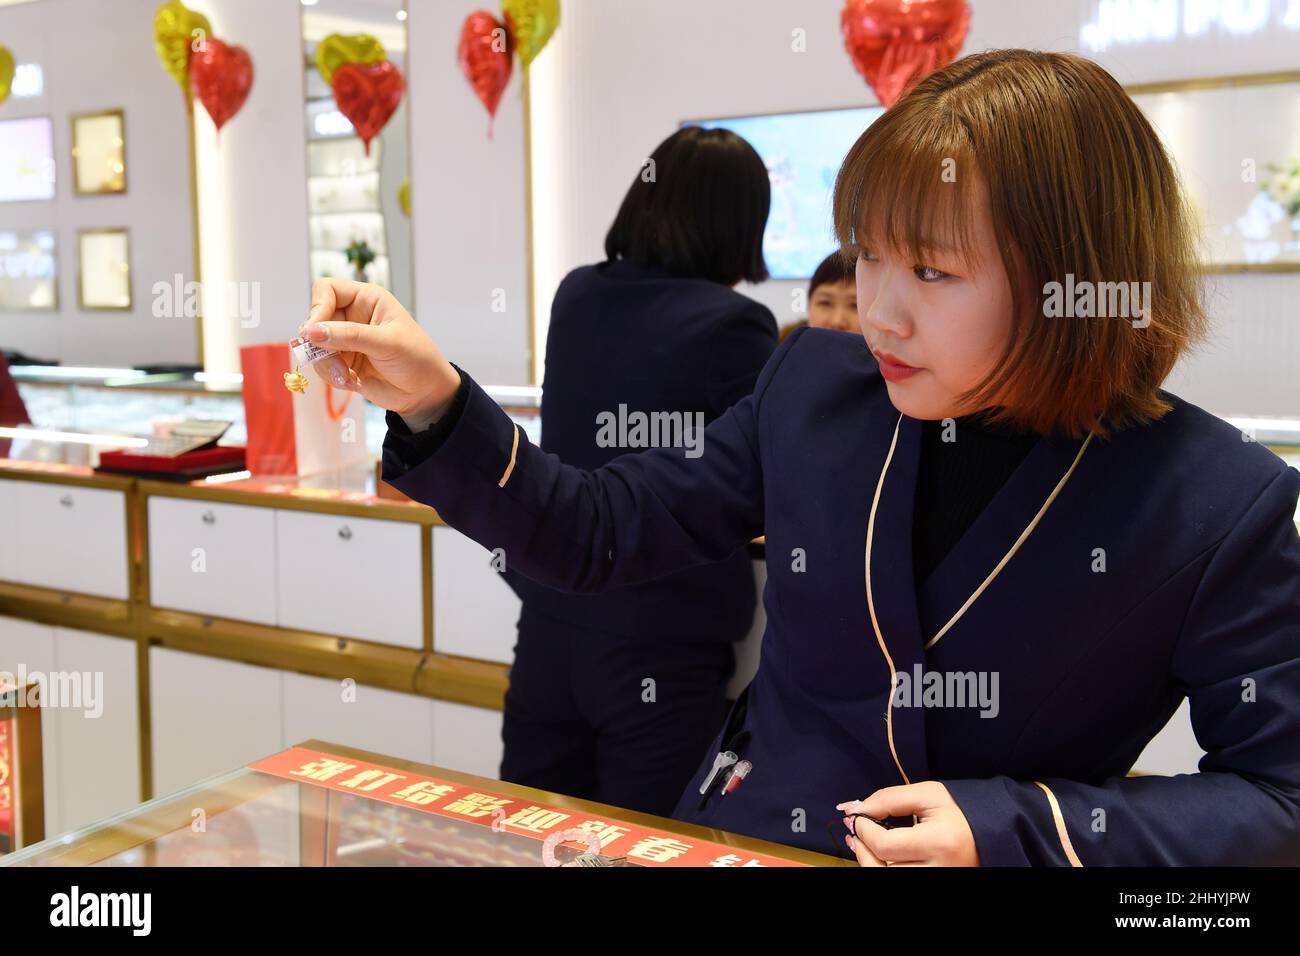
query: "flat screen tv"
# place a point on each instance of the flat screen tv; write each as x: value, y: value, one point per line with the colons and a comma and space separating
x: 26, y: 159
x: 803, y: 153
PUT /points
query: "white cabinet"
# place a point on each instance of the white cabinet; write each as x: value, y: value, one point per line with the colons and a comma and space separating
x: 97, y: 726
x: 355, y: 577
x: 90, y: 727
x: 369, y: 718
x: 467, y: 738
x: 8, y: 529
x: 213, y: 559
x: 27, y: 652
x: 71, y: 538
x: 210, y: 717
x: 474, y: 611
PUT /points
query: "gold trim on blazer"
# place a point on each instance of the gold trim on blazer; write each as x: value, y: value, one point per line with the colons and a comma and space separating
x: 1014, y: 548
x: 871, y: 604
x: 1061, y: 832
x: 514, y: 450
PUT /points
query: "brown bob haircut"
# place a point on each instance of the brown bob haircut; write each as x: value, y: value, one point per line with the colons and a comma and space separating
x: 1077, y: 183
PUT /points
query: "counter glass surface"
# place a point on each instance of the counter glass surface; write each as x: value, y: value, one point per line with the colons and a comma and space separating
x: 320, y: 804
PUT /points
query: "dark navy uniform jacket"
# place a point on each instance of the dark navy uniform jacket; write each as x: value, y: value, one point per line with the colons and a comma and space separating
x: 1199, y: 598
x: 634, y: 335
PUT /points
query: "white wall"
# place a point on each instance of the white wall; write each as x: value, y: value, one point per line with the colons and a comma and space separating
x: 467, y: 198
x: 621, y: 75
x: 253, y: 187
x: 95, y: 56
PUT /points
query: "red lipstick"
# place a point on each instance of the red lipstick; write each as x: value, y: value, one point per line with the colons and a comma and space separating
x: 893, y: 369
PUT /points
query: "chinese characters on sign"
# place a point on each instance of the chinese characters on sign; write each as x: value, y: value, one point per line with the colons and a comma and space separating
x: 641, y: 845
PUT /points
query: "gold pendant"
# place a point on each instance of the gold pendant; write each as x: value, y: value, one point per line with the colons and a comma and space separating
x: 295, y: 381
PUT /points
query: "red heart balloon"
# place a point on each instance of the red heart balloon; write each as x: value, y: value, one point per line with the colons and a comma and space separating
x: 221, y: 77
x: 894, y: 43
x: 484, y: 55
x: 368, y: 94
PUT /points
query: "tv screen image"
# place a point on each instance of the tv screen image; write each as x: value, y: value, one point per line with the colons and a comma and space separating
x: 803, y: 153
x: 26, y: 159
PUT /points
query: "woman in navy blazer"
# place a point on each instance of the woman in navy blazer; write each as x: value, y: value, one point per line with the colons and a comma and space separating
x: 968, y: 642
x: 656, y: 329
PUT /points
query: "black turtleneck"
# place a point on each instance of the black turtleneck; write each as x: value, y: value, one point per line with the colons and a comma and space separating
x: 957, y: 479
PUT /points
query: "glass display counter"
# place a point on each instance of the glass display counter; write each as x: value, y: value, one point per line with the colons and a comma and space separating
x: 323, y: 805
x: 129, y: 402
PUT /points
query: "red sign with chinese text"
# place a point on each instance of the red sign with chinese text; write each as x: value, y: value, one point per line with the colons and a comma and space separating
x: 641, y: 845
x: 8, y: 837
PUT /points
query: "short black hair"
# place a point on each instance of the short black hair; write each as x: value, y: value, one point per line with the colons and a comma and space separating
x: 837, y: 267
x: 698, y: 209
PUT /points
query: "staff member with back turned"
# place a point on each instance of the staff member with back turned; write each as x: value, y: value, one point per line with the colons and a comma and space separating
x: 656, y: 329
x: 1131, y: 551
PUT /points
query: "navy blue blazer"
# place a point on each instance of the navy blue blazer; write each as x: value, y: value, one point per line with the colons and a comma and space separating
x: 633, y: 335
x: 1199, y: 598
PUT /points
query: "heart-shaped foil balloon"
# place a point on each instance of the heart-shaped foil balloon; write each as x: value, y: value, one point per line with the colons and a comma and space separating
x: 895, y: 43
x: 337, y: 49
x: 7, y: 68
x: 221, y: 77
x: 368, y: 95
x: 177, y: 30
x: 484, y: 55
x: 532, y: 24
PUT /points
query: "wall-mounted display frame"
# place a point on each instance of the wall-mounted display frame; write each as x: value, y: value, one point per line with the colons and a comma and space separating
x: 1236, y: 141
x: 99, y: 152
x: 27, y: 166
x: 29, y: 271
x: 104, y: 270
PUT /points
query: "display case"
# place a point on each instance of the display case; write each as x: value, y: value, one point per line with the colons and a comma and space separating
x: 319, y: 804
x: 21, y: 794
x: 133, y: 401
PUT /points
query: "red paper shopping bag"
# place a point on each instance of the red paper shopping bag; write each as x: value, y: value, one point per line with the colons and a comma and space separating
x: 320, y: 430
x: 268, y: 409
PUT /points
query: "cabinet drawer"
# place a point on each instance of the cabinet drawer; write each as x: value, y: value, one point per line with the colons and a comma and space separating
x: 213, y: 559
x: 9, y: 522
x: 99, y: 735
x: 210, y: 716
x: 354, y: 577
x: 369, y: 718
x: 474, y: 611
x: 467, y: 738
x: 71, y: 538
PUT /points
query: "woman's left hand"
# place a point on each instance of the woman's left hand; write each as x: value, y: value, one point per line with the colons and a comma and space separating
x: 940, y: 837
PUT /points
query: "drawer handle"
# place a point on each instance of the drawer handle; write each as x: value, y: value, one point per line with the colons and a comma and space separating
x: 345, y: 533
x: 66, y: 501
x: 209, y: 518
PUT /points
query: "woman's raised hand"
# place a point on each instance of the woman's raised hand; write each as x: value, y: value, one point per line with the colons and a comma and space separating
x: 387, y: 357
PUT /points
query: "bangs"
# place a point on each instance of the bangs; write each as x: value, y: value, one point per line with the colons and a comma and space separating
x: 909, y: 186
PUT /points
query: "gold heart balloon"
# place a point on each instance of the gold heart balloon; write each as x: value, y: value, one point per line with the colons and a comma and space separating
x: 6, y: 72
x: 337, y: 49
x: 404, y: 197
x: 532, y: 23
x: 176, y: 29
